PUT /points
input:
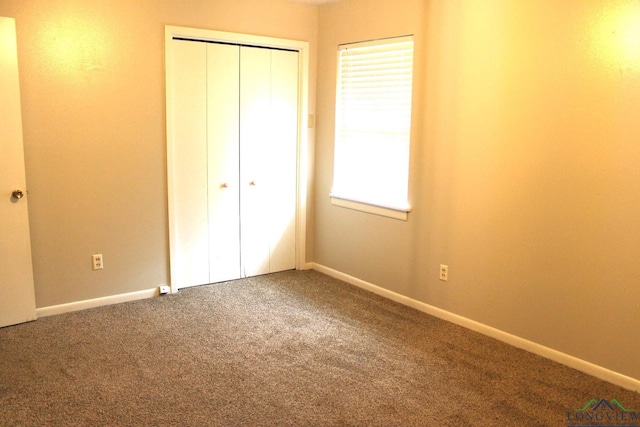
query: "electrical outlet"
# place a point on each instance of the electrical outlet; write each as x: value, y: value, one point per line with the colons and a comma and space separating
x: 444, y: 272
x: 97, y: 262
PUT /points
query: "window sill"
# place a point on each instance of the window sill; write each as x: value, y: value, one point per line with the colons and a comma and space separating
x: 389, y: 212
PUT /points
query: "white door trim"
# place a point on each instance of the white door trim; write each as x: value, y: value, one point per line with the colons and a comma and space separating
x: 302, y: 47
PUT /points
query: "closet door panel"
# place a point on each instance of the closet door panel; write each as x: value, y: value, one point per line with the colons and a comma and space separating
x: 191, y: 263
x: 255, y: 99
x: 283, y: 158
x: 223, y: 105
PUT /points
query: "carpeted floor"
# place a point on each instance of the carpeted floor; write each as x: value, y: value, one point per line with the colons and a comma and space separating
x: 295, y: 348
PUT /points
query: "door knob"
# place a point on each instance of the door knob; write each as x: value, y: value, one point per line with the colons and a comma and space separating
x: 252, y: 183
x: 17, y: 194
x: 225, y: 185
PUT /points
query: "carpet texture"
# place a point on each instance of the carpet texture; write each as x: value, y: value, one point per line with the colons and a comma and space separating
x: 296, y: 348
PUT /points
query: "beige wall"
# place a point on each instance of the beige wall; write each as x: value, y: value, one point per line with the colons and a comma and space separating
x: 525, y: 172
x: 92, y: 81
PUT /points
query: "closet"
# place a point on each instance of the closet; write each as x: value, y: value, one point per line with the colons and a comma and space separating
x: 234, y: 163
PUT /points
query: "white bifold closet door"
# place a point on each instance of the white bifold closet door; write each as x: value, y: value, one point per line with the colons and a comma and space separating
x: 234, y: 171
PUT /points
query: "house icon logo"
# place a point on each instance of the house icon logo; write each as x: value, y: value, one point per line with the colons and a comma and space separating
x: 603, y: 413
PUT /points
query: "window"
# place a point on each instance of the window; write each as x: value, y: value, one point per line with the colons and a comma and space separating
x: 373, y: 126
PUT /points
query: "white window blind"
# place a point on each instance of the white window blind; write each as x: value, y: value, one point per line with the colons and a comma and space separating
x: 373, y: 123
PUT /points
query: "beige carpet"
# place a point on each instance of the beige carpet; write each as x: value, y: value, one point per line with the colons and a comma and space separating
x: 293, y: 348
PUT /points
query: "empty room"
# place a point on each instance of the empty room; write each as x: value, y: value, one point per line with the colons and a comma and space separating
x: 320, y: 212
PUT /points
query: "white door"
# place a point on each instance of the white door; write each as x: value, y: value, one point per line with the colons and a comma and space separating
x: 223, y: 122
x: 190, y: 238
x: 17, y: 296
x: 283, y: 152
x: 268, y: 152
x: 232, y: 168
x: 255, y: 104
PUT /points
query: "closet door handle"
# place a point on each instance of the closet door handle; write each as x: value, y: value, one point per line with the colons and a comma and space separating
x: 252, y: 183
x: 224, y: 185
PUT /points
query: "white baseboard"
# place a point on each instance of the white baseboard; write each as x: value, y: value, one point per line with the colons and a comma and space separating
x: 532, y: 347
x: 96, y: 302
x: 113, y: 299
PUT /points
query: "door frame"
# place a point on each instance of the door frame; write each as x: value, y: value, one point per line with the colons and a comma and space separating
x: 302, y: 47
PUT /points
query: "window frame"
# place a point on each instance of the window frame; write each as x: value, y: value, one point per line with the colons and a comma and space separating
x: 392, y: 210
